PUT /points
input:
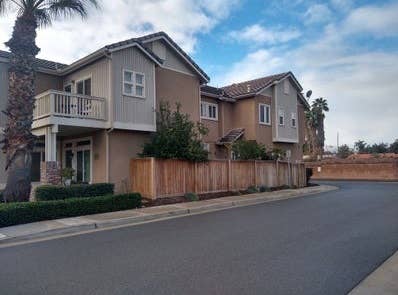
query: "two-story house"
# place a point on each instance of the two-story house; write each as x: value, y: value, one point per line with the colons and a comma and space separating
x: 269, y: 110
x: 95, y: 114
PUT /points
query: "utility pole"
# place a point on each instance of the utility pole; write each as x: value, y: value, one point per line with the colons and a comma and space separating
x: 337, y: 141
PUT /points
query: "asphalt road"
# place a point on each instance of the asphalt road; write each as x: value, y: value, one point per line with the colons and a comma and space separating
x: 321, y: 244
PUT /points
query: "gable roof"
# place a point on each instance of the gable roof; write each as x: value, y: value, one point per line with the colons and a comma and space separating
x: 40, y: 63
x: 253, y: 87
x: 60, y: 68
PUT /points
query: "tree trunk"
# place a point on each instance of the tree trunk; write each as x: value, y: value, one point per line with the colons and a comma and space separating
x: 18, y: 139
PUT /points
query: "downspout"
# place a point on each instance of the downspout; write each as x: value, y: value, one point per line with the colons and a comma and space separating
x: 110, y: 116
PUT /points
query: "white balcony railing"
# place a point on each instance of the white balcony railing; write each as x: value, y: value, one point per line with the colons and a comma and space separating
x: 65, y: 104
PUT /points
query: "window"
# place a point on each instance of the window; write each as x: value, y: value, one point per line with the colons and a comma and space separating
x: 281, y: 115
x: 286, y: 86
x: 133, y: 84
x: 264, y: 114
x: 209, y: 110
x: 206, y: 146
x: 294, y: 120
x: 83, y: 87
x: 68, y: 88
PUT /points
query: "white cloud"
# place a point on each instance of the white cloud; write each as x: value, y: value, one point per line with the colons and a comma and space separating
x: 254, y: 65
x: 317, y: 13
x: 360, y: 85
x: 342, y: 4
x: 261, y: 35
x: 183, y: 20
x: 381, y: 21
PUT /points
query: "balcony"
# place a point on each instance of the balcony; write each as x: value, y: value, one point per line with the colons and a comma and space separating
x: 64, y: 108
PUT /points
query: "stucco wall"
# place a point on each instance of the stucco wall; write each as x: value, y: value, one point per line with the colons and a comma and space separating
x: 123, y: 146
x: 355, y: 170
x: 173, y: 87
x: 264, y: 132
x: 46, y: 82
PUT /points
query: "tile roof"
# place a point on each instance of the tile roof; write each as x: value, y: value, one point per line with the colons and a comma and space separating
x: 252, y: 86
x: 232, y: 136
x: 41, y: 63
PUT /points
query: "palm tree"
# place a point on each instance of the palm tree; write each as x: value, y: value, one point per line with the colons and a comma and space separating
x: 311, y: 126
x: 319, y: 106
x: 18, y: 139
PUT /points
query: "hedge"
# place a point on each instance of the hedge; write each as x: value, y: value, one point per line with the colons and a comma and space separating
x: 20, y: 213
x: 52, y: 192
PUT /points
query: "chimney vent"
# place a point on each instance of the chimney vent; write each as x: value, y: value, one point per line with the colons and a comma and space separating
x: 249, y: 88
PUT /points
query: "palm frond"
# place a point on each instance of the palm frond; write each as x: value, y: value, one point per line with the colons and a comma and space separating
x: 68, y: 8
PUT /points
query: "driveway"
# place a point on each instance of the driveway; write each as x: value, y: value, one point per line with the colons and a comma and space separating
x: 320, y: 244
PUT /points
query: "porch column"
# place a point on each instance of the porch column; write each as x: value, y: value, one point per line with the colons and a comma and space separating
x: 51, y: 143
x: 50, y: 172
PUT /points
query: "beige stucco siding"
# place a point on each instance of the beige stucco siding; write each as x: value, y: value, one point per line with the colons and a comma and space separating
x: 213, y: 126
x: 135, y: 111
x: 264, y: 132
x: 124, y: 145
x: 99, y: 74
x: 244, y: 116
x: 174, y: 87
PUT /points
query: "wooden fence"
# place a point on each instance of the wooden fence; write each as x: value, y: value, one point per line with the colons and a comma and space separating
x: 155, y: 178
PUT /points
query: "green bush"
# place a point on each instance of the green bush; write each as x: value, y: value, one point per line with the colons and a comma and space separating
x: 252, y: 189
x: 191, y: 197
x: 20, y: 213
x: 264, y: 189
x: 52, y: 192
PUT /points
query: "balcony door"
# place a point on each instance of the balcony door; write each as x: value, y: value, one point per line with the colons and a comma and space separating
x: 77, y: 154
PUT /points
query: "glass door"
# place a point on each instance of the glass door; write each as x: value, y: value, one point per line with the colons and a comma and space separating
x: 77, y: 155
x: 83, y: 166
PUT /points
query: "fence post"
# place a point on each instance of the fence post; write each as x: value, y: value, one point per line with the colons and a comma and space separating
x: 255, y: 173
x: 152, y: 181
x: 277, y: 172
x: 196, y: 178
x: 229, y: 172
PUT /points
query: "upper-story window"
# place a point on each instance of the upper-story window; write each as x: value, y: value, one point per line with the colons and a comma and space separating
x: 209, y: 110
x: 133, y: 83
x: 264, y: 114
x: 83, y: 86
x: 294, y: 120
x: 68, y: 88
x: 281, y: 117
x: 286, y: 86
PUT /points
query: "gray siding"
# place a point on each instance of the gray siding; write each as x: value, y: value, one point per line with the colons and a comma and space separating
x: 288, y: 103
x: 133, y: 110
x: 171, y: 59
x: 99, y: 73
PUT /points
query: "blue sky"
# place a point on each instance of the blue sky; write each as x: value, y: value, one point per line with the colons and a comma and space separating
x: 344, y: 50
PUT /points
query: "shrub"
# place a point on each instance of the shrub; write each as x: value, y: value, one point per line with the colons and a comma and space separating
x: 176, y: 137
x: 20, y: 213
x: 308, y: 174
x: 191, y: 197
x: 51, y: 192
x: 252, y: 189
x: 264, y: 189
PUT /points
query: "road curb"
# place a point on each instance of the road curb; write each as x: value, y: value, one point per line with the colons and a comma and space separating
x: 176, y: 210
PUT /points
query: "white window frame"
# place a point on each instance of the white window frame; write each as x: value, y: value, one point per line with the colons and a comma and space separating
x: 206, y: 114
x: 71, y: 87
x: 74, y: 148
x: 281, y: 113
x: 286, y: 86
x: 84, y: 86
x: 267, y: 109
x: 133, y: 83
x: 293, y: 117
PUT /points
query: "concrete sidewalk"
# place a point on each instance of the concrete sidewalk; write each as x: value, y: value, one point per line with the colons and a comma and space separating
x: 53, y: 228
x: 383, y: 281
